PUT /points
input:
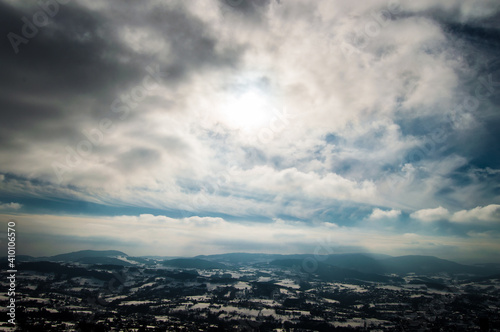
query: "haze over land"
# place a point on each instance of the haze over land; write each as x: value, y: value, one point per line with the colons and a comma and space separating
x: 180, y: 128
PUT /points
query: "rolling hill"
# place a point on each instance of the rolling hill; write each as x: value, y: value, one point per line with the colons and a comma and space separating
x: 194, y: 263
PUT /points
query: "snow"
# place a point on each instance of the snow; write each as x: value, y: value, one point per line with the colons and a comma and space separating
x: 242, y: 285
x: 137, y: 302
x: 118, y: 297
x: 37, y: 299
x: 360, y: 322
x: 351, y: 288
x: 198, y: 298
x: 147, y: 285
x: 288, y: 283
x: 264, y: 279
x: 202, y: 305
x: 330, y: 300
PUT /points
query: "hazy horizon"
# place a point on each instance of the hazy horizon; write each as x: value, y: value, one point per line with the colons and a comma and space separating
x: 314, y: 254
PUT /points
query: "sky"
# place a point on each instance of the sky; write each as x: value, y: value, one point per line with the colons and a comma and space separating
x: 179, y: 128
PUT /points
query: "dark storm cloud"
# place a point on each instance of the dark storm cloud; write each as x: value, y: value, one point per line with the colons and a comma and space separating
x: 63, y: 73
x: 64, y: 77
x: 246, y: 9
x: 76, y: 65
x: 190, y: 39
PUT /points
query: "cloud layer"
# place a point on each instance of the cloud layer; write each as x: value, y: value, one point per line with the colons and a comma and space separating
x: 326, y: 112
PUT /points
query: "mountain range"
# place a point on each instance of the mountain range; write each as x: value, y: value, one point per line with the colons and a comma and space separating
x: 363, y: 266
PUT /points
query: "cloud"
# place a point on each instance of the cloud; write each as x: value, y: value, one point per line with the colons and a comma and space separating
x: 429, y: 215
x: 392, y: 108
x: 486, y: 214
x: 10, y: 206
x: 382, y: 214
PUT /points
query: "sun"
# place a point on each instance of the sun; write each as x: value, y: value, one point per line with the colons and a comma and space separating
x: 247, y: 111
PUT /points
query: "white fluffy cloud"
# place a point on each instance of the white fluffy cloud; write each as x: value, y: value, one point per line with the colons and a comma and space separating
x: 383, y: 214
x: 481, y: 214
x: 429, y: 215
x: 182, y: 130
x: 488, y: 214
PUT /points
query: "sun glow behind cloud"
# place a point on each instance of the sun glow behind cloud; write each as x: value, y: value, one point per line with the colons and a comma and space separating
x: 247, y: 111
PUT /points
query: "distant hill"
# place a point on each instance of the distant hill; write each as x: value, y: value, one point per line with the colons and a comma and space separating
x: 429, y: 284
x: 64, y: 271
x: 494, y: 267
x: 358, y: 262
x: 367, y: 263
x: 427, y: 265
x: 380, y: 264
x: 194, y: 263
x: 27, y: 258
x: 240, y: 258
x: 77, y: 255
x: 83, y: 256
x: 327, y: 272
x: 361, y: 262
x: 141, y: 260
